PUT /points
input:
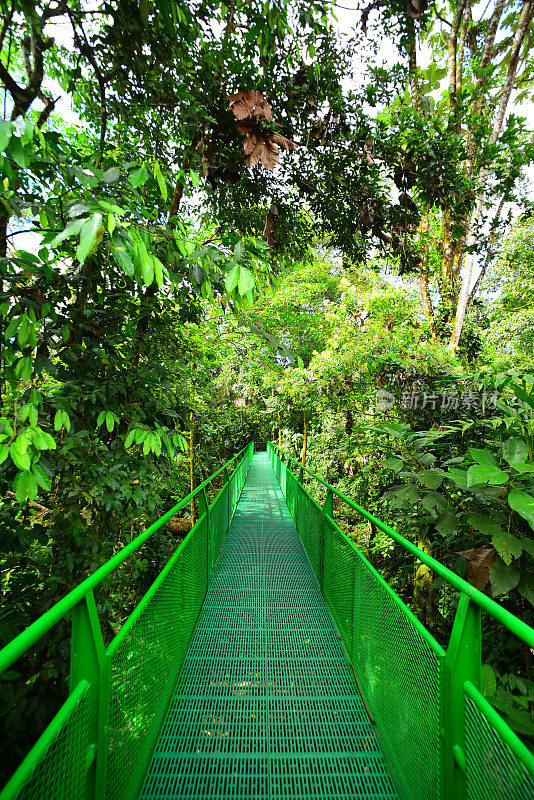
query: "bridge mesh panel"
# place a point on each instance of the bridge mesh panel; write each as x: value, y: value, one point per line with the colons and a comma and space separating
x: 493, y: 770
x: 266, y: 703
x: 399, y: 672
x: 145, y: 665
x: 400, y: 677
x: 338, y: 580
x: 218, y: 524
x: 60, y: 773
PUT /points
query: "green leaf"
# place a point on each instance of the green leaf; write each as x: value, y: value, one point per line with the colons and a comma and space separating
x: 17, y: 153
x: 482, y: 474
x: 447, y: 523
x: 194, y: 177
x: 25, y: 486
x: 503, y: 577
x: 245, y: 282
x: 488, y: 682
x: 485, y: 457
x: 526, y: 467
x: 13, y: 326
x: 459, y: 476
x: 507, y: 545
x: 158, y: 270
x: 72, y: 229
x: 434, y: 503
x: 239, y: 251
x: 520, y: 721
x: 525, y: 587
x: 21, y: 460
x: 24, y: 368
x: 58, y: 422
x: 161, y: 181
x: 144, y: 262
x: 41, y: 477
x: 88, y: 237
x: 27, y: 134
x: 43, y: 440
x: 5, y: 134
x: 430, y: 478
x: 515, y: 450
x: 129, y: 439
x: 484, y: 524
x: 123, y: 258
x: 523, y: 503
x: 112, y: 175
x: 232, y: 278
x: 522, y: 394
x: 110, y: 421
x: 138, y: 177
x: 394, y: 464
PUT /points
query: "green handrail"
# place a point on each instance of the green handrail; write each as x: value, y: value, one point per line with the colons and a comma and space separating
x: 506, y: 618
x: 471, y: 752
x: 18, y: 646
x: 98, y: 673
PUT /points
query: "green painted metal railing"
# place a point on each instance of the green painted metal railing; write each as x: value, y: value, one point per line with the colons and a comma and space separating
x: 441, y: 738
x: 99, y: 743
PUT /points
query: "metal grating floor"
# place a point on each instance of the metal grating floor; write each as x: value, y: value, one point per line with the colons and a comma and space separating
x: 266, y: 704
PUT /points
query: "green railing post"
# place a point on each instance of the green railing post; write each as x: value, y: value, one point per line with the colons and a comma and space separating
x: 88, y: 662
x: 461, y: 663
x: 226, y: 485
x: 204, y: 508
x: 328, y: 511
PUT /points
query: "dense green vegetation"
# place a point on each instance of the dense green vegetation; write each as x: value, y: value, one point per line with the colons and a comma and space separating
x: 225, y: 229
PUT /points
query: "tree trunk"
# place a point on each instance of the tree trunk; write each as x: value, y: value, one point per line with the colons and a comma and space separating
x: 427, y: 303
x: 527, y: 13
x: 422, y: 591
x: 304, y: 440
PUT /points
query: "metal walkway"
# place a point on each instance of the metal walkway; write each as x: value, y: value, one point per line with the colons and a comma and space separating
x: 266, y: 704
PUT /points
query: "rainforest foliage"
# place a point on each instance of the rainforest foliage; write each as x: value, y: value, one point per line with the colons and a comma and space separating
x: 224, y: 222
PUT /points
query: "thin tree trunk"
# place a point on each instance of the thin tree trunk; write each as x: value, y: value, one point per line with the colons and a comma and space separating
x: 427, y: 303
x: 414, y: 80
x: 423, y: 595
x: 527, y: 13
x: 461, y: 48
x: 304, y: 440
x: 452, y: 53
x: 487, y: 262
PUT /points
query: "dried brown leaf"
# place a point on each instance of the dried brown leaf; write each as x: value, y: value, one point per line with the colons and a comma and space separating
x: 269, y: 154
x: 255, y: 156
x: 250, y: 142
x: 237, y: 96
x: 286, y: 144
x: 479, y: 561
x: 247, y: 103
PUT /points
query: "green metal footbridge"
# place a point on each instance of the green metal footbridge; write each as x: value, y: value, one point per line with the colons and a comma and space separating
x: 270, y: 660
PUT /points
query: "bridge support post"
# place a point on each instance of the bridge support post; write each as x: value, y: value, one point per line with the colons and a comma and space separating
x: 204, y: 511
x: 226, y: 485
x: 88, y: 662
x: 328, y: 511
x: 461, y: 663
